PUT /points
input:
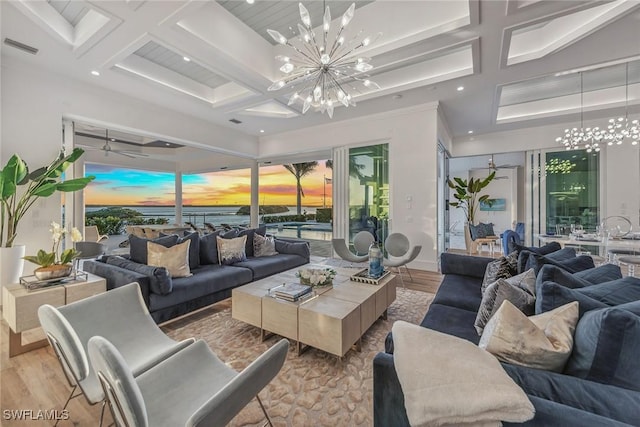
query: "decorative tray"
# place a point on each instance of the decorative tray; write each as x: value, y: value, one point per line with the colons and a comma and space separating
x: 32, y: 283
x: 363, y: 277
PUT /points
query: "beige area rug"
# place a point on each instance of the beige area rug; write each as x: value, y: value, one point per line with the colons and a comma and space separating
x: 314, y: 389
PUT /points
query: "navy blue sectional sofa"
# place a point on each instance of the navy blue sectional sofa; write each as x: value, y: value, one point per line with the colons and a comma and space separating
x: 559, y: 399
x: 211, y: 282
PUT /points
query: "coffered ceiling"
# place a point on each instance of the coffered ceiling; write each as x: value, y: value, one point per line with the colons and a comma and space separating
x: 493, y: 65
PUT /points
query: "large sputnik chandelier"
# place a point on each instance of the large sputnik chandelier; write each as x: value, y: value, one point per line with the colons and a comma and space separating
x: 617, y: 130
x: 323, y: 74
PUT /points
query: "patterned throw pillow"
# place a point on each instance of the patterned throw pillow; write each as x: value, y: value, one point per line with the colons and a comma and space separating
x: 514, y: 289
x: 231, y: 251
x: 264, y: 246
x: 175, y: 259
x: 498, y: 269
x: 542, y: 342
x: 502, y: 268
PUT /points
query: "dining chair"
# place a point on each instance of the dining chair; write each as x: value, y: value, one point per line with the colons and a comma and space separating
x: 398, y: 246
x: 361, y: 242
x: 91, y: 234
x: 121, y: 316
x: 193, y: 387
x: 88, y: 250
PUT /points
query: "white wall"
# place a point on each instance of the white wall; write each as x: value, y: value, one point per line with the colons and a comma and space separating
x: 411, y: 134
x: 35, y: 101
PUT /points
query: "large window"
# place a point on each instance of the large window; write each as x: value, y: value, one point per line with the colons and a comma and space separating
x: 572, y: 189
x: 369, y: 190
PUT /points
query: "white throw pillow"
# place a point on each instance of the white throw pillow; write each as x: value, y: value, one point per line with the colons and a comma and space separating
x: 231, y: 251
x: 175, y: 259
x: 543, y: 341
x: 447, y: 380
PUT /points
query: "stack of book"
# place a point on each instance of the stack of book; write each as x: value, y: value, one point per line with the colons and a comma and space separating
x: 292, y: 291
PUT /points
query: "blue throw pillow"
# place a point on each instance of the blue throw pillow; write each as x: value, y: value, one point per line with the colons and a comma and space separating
x: 572, y: 265
x: 591, y: 276
x: 542, y: 250
x: 194, y: 248
x: 293, y: 248
x: 487, y: 229
x: 138, y: 246
x: 477, y: 232
x: 209, y: 248
x: 606, y: 348
x: 551, y: 295
x: 560, y: 255
x: 159, y: 279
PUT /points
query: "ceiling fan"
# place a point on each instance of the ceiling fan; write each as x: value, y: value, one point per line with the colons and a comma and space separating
x: 492, y: 167
x: 107, y: 148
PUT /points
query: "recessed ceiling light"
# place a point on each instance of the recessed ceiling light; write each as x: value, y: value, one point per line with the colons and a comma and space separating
x: 261, y: 130
x: 186, y: 58
x: 95, y: 73
x: 113, y: 139
x: 460, y: 88
x: 168, y: 144
x: 251, y: 1
x: 470, y: 132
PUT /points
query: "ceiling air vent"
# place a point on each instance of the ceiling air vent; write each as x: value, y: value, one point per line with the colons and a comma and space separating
x: 21, y: 46
x: 236, y: 121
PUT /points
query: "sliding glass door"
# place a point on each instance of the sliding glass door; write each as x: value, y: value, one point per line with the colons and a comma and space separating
x: 369, y: 190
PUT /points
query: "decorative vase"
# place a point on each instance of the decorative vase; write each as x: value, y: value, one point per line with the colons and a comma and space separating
x: 467, y: 239
x: 376, y: 267
x: 11, y: 265
x: 55, y: 271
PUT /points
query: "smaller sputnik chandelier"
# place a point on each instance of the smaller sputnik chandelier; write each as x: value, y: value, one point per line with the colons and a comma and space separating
x: 588, y: 137
x: 622, y: 127
x: 322, y: 73
x: 617, y: 130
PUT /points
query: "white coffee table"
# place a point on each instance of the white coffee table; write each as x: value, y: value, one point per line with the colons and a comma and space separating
x: 332, y: 320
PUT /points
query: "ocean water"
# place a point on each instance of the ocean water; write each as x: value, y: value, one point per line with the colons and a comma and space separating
x: 218, y: 215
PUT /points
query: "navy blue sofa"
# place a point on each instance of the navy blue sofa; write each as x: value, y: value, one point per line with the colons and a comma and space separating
x: 210, y: 282
x: 559, y: 399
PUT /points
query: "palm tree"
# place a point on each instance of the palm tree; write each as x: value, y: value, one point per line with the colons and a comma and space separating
x: 354, y: 167
x: 299, y: 170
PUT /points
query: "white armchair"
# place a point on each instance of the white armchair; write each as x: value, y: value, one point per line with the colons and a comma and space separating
x: 119, y: 314
x: 208, y: 393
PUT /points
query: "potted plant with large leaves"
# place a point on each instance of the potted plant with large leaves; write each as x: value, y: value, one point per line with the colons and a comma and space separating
x: 19, y: 190
x: 467, y: 194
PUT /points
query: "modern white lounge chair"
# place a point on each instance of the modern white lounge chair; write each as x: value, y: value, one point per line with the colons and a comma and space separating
x: 361, y: 243
x: 397, y: 246
x: 119, y: 314
x: 191, y: 388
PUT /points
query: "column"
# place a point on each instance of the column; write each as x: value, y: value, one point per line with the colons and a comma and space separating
x: 255, y: 194
x: 178, y: 202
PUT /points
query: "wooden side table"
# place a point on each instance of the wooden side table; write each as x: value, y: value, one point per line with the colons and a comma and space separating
x: 20, y: 307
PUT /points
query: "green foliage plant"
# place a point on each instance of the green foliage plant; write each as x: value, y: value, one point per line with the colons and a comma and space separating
x: 20, y: 189
x: 467, y: 194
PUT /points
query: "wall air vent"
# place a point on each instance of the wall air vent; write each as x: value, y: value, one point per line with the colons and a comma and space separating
x: 236, y: 121
x: 21, y: 46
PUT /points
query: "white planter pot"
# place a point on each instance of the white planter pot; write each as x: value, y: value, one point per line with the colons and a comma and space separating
x: 11, y: 265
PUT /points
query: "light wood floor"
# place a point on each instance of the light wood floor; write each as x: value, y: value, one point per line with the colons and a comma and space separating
x: 34, y: 380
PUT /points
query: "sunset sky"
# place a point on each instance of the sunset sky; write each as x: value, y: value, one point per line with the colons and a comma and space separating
x: 116, y: 186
